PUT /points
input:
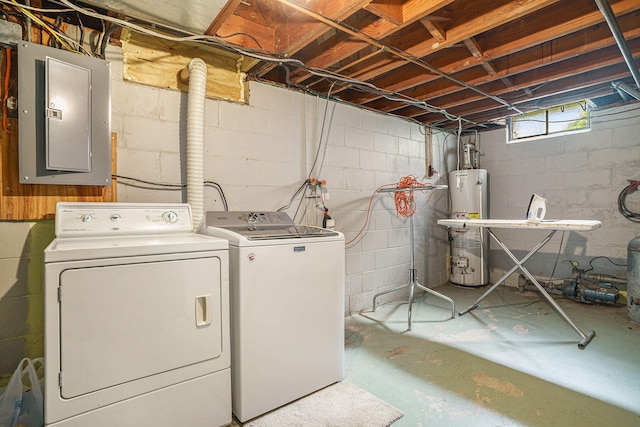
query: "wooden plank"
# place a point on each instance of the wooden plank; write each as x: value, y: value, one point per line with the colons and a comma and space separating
x: 583, y: 39
x: 26, y: 202
x: 376, y: 29
x: 435, y: 29
x: 391, y: 10
x: 158, y: 62
x: 473, y: 47
x: 236, y: 30
x: 225, y: 14
x: 486, y: 20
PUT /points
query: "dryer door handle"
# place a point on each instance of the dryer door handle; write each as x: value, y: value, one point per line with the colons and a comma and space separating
x: 203, y: 311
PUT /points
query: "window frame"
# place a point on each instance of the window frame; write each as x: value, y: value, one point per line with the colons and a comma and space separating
x: 584, y: 104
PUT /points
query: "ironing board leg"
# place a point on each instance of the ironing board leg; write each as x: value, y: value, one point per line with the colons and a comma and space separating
x: 510, y: 272
x: 586, y: 338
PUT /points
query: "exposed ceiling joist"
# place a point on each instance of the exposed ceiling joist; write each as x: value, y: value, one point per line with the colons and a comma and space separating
x: 433, y: 61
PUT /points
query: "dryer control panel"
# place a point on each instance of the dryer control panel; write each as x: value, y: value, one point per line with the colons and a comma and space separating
x: 122, y: 219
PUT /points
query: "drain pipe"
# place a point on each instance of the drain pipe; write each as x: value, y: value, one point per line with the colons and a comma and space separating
x: 610, y: 17
x: 196, y: 75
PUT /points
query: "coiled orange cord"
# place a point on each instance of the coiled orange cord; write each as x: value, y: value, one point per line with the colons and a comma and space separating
x: 405, y: 203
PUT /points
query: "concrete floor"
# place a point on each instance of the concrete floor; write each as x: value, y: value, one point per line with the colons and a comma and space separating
x: 511, y: 362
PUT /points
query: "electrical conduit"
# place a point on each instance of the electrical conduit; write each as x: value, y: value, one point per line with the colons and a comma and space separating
x: 196, y: 74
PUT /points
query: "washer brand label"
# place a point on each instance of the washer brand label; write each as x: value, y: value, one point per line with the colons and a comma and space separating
x: 299, y: 248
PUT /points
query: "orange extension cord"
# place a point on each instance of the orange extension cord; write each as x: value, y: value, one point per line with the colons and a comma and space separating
x: 404, y: 201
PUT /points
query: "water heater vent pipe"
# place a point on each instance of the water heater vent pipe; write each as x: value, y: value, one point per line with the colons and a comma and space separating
x: 196, y: 75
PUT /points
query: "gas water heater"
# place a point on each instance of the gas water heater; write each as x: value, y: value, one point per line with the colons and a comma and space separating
x: 470, y: 245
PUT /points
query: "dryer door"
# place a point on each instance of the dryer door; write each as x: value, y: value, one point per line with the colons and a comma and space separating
x: 119, y: 323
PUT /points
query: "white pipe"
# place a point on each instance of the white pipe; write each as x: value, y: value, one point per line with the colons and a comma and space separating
x: 197, y: 75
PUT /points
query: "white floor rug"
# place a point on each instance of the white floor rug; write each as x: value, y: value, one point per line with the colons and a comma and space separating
x: 339, y: 405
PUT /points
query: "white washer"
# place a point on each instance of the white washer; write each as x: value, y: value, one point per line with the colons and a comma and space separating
x: 287, y: 308
x: 136, y: 319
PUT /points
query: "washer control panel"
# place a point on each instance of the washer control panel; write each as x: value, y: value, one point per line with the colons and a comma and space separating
x: 118, y: 219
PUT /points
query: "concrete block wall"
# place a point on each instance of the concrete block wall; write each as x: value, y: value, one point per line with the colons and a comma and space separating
x: 262, y: 152
x: 21, y: 292
x: 581, y: 176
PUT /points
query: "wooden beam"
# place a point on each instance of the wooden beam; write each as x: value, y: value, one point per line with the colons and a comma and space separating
x: 582, y: 37
x: 376, y: 29
x: 435, y: 29
x: 226, y: 13
x: 474, y: 48
x: 292, y: 38
x: 239, y: 31
x: 391, y: 10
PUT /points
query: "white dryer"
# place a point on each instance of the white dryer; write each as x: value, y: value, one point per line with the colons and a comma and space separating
x: 136, y: 319
x: 287, y: 308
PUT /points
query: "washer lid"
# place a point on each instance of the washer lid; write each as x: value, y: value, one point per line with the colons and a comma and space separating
x: 255, y: 225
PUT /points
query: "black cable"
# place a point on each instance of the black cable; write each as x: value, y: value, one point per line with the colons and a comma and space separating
x: 105, y: 39
x: 557, y: 257
x: 82, y: 30
x: 219, y: 189
x: 622, y: 198
x: 172, y: 187
x: 302, y: 186
x: 241, y: 34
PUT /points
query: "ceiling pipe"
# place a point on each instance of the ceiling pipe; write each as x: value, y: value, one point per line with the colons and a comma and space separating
x: 624, y: 89
x: 610, y: 17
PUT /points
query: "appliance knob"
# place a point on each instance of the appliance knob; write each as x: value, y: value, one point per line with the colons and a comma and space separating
x: 170, y: 217
x: 86, y: 218
x: 115, y: 217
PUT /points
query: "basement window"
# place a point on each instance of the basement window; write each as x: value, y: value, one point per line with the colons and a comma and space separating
x: 554, y: 121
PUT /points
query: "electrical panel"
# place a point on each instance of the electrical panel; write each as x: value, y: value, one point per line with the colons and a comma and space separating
x: 64, y: 104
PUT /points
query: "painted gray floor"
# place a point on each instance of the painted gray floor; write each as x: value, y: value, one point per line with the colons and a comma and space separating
x: 511, y: 362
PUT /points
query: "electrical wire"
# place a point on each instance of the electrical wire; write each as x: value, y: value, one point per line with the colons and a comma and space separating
x: 171, y: 187
x: 300, y: 189
x: 405, y: 206
x: 603, y: 257
x: 270, y: 57
x: 5, y: 91
x: 35, y: 9
x: 105, y: 39
x: 59, y: 38
x: 404, y: 200
x: 622, y: 201
x: 45, y: 26
x: 366, y: 219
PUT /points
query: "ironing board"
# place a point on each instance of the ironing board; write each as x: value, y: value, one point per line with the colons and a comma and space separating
x: 413, y: 280
x: 548, y: 225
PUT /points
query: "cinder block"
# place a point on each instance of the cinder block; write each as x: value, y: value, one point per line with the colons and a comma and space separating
x: 358, y: 138
x: 360, y: 262
x: 385, y: 143
x: 371, y: 160
x: 374, y: 280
